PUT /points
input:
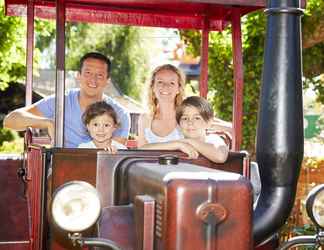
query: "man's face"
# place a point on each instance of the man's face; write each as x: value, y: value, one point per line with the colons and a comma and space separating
x: 93, y: 77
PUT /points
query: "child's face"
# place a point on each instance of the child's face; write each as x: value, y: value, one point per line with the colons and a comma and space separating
x: 101, y: 128
x: 192, y: 124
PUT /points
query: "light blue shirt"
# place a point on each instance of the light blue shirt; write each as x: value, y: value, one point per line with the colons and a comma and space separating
x: 75, y: 131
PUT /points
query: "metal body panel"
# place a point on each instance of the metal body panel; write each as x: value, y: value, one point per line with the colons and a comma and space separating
x: 15, y: 245
x: 181, y: 193
x: 109, y: 166
x: 13, y: 205
x: 36, y: 175
x: 100, y: 169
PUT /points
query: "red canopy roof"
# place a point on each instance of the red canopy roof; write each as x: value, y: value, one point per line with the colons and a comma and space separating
x: 183, y: 14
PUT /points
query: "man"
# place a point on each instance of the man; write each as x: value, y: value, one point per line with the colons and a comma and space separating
x: 93, y: 77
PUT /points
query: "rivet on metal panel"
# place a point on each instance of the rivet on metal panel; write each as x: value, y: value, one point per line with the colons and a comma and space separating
x: 211, y: 213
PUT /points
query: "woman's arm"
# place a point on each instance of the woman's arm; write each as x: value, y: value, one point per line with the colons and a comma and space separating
x: 215, y: 150
x: 143, y: 122
x: 221, y: 125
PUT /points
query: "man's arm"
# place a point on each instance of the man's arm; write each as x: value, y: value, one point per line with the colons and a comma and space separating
x: 30, y: 116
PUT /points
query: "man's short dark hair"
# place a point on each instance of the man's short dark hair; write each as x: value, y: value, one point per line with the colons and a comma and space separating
x: 98, y: 56
x: 201, y: 104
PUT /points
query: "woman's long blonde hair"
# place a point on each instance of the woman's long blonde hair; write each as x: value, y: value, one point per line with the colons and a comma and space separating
x: 153, y: 102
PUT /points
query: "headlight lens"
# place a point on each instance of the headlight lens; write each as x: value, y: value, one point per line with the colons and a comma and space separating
x: 75, y: 206
x: 315, y: 205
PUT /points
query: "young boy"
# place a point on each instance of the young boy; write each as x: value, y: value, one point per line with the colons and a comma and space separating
x: 194, y: 116
x: 101, y: 121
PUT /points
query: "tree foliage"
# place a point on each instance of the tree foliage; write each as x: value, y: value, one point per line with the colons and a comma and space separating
x: 221, y: 65
x: 124, y: 46
x: 12, y: 48
x: 313, y: 47
x: 130, y: 56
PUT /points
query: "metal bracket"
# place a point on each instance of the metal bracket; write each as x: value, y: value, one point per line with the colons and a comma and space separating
x: 286, y: 10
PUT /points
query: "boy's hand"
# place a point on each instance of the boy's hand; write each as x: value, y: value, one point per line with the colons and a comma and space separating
x: 188, y: 149
x: 111, y: 150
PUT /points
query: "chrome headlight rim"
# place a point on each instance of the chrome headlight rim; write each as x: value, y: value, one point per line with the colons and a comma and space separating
x: 313, y: 197
x: 95, y: 212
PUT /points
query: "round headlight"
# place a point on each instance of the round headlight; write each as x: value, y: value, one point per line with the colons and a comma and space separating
x: 75, y: 206
x: 315, y: 205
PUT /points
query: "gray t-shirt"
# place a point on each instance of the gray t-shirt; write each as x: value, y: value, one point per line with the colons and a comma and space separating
x: 75, y: 131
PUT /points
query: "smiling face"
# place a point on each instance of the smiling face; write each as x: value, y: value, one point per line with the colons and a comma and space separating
x: 101, y: 129
x: 192, y: 124
x: 93, y: 78
x: 166, y: 86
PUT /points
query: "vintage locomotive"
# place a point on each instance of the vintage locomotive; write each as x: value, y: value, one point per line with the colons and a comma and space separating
x: 161, y: 200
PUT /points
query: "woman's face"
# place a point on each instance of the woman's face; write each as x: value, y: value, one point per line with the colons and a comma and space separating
x: 166, y: 86
x: 101, y: 128
x: 192, y: 124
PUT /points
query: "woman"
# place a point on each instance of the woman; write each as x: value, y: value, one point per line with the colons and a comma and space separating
x: 166, y: 92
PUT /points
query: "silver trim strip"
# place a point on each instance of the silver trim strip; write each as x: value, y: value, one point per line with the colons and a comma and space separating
x: 14, y: 242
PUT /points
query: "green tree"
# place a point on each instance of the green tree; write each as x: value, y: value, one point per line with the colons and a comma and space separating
x: 253, y: 29
x: 313, y: 47
x: 12, y: 48
x: 123, y: 44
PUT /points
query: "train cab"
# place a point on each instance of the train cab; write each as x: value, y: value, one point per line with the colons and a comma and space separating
x: 141, y: 199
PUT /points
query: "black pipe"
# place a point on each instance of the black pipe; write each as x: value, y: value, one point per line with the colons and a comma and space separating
x: 99, y: 242
x: 280, y: 138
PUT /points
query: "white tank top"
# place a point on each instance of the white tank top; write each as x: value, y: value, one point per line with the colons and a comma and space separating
x: 150, y: 137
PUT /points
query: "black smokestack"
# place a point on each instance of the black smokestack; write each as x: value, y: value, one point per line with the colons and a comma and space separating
x: 280, y: 138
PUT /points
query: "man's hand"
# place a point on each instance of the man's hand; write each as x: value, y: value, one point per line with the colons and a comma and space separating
x: 50, y: 125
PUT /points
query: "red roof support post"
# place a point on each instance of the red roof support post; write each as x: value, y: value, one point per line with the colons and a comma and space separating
x: 60, y: 73
x: 238, y: 79
x: 203, y: 85
x: 29, y: 53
